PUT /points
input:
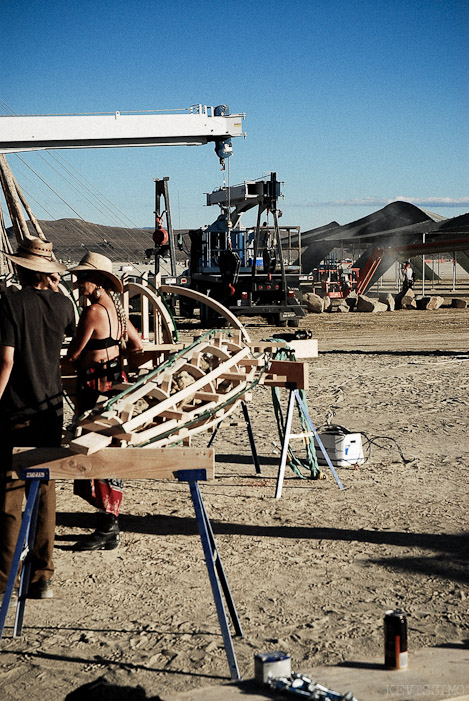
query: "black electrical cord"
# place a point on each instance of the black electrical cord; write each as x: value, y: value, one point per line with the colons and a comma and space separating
x: 373, y: 441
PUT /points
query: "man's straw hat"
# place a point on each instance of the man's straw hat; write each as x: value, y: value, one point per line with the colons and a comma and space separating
x: 36, y: 254
x: 96, y: 262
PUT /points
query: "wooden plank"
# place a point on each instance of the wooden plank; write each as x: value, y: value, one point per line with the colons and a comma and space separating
x: 103, y: 427
x: 235, y: 376
x: 171, y: 414
x: 295, y: 373
x: 207, y: 396
x: 90, y: 443
x: 304, y: 348
x: 126, y: 463
x: 252, y: 362
x: 138, y: 393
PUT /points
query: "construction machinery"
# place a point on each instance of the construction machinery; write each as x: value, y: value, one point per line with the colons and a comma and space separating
x: 194, y: 126
x: 333, y: 279
x: 250, y: 270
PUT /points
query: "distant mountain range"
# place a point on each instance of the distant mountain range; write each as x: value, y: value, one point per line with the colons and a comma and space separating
x: 73, y: 237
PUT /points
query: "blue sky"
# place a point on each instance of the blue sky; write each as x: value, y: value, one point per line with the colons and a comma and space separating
x: 353, y: 103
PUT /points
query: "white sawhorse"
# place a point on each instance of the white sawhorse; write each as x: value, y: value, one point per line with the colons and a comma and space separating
x: 295, y: 397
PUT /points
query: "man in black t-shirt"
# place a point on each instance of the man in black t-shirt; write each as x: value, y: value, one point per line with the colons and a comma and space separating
x: 33, y: 323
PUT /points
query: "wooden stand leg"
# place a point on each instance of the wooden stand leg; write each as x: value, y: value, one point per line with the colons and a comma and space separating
x: 214, y: 568
x: 252, y: 443
x: 318, y: 440
x: 251, y: 437
x: 24, y: 544
x: 286, y: 441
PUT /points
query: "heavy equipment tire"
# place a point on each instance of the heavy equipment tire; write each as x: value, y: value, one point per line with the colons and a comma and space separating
x: 294, y: 323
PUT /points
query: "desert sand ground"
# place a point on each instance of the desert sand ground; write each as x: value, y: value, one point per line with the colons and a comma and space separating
x: 311, y: 573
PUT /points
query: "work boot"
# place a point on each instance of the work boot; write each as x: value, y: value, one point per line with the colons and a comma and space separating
x: 106, y: 536
x: 40, y: 590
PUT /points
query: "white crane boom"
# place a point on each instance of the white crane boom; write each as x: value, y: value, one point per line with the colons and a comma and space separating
x: 35, y: 132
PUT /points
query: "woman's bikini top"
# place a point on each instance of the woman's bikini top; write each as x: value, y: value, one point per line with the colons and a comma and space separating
x: 95, y: 344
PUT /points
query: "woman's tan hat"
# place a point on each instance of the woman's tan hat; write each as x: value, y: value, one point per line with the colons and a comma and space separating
x: 36, y: 254
x: 96, y: 262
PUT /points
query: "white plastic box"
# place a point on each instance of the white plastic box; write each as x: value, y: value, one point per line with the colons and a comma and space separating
x: 344, y: 449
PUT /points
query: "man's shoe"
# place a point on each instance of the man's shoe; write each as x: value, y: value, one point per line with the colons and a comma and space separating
x: 40, y: 590
x: 106, y: 536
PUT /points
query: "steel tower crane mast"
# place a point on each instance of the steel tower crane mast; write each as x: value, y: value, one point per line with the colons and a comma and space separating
x: 194, y: 126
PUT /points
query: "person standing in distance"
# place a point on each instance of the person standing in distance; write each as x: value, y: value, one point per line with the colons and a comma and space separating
x: 409, y: 277
x: 33, y: 323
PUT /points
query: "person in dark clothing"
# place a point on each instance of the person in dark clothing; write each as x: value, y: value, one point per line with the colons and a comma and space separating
x: 33, y: 323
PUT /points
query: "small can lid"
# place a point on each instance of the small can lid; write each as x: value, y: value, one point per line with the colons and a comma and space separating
x: 274, y: 656
x: 395, y: 612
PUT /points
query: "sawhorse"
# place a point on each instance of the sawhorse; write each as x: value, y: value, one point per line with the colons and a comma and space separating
x: 23, y: 547
x: 295, y: 397
x: 80, y: 463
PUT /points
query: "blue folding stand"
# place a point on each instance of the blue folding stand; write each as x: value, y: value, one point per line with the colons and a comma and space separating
x: 23, y: 546
x: 216, y: 573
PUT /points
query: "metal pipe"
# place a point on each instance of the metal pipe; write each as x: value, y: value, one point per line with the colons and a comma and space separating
x: 423, y: 267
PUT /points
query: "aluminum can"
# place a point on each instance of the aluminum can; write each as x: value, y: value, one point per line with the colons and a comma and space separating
x: 395, y: 639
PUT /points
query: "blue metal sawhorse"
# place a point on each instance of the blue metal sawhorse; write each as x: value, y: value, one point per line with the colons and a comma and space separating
x: 216, y: 573
x: 23, y: 546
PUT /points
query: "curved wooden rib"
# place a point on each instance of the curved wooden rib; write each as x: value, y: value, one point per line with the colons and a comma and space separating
x: 148, y: 295
x: 213, y: 304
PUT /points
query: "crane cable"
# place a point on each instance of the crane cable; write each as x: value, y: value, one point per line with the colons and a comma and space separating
x: 128, y: 251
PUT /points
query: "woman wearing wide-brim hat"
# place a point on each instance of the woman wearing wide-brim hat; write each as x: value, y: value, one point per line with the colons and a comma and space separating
x: 96, y: 351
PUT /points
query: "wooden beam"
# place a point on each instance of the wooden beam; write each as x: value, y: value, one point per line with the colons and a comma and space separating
x: 303, y: 348
x: 126, y: 463
x: 283, y: 373
x: 234, y: 376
